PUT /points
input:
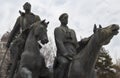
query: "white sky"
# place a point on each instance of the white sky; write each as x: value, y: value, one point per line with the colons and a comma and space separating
x: 82, y: 16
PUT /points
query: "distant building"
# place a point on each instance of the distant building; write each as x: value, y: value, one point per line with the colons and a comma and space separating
x: 5, y: 37
x: 3, y: 42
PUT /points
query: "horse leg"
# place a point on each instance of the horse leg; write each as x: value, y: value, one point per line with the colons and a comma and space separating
x: 15, y: 60
x: 25, y: 73
x: 93, y: 74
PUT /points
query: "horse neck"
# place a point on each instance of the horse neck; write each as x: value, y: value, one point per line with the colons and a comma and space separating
x: 31, y: 44
x: 89, y: 54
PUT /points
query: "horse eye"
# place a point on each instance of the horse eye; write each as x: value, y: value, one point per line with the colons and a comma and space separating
x: 114, y: 25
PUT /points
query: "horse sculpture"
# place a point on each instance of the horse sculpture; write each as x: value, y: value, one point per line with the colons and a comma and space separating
x: 83, y: 63
x: 32, y: 63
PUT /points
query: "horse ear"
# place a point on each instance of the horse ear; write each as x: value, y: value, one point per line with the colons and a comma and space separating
x: 43, y: 21
x: 48, y: 22
x: 100, y: 26
x: 95, y: 28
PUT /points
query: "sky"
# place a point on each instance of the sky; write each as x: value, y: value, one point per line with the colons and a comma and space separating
x: 83, y: 14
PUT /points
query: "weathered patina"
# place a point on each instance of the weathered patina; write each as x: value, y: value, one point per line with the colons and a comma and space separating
x: 66, y: 42
x: 19, y: 34
x: 32, y: 63
x: 83, y: 63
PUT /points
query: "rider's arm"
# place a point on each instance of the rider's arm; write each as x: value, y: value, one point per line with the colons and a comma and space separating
x: 37, y: 18
x: 75, y: 39
x: 14, y: 31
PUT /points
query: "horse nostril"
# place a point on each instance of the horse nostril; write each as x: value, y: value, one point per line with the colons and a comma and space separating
x: 46, y: 41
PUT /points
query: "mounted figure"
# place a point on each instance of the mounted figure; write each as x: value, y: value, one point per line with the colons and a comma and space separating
x: 32, y: 63
x: 17, y: 40
x: 83, y: 64
x: 66, y: 42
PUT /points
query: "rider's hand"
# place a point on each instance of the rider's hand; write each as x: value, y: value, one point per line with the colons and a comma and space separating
x: 69, y: 56
x: 7, y: 45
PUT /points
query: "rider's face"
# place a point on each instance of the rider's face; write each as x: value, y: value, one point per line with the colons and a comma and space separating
x: 27, y: 8
x: 64, y: 20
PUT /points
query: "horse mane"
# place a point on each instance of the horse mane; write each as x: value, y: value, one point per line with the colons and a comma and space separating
x: 33, y: 26
x: 83, y: 43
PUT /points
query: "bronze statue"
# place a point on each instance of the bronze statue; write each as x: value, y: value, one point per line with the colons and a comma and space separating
x: 18, y: 40
x: 32, y: 63
x: 23, y: 21
x: 83, y: 63
x: 66, y: 42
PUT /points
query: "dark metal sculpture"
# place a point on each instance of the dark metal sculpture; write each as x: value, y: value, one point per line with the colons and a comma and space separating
x: 66, y: 43
x: 18, y: 47
x: 32, y: 63
x: 19, y: 34
x: 83, y: 63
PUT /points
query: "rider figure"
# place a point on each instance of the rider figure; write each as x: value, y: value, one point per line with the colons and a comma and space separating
x: 66, y: 42
x: 18, y: 36
x: 23, y: 22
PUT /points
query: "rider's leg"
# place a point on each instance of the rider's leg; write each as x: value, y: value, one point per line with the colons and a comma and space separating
x: 25, y: 73
x: 62, y: 70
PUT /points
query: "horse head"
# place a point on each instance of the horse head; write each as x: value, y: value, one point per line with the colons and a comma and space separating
x: 104, y: 35
x: 41, y: 31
